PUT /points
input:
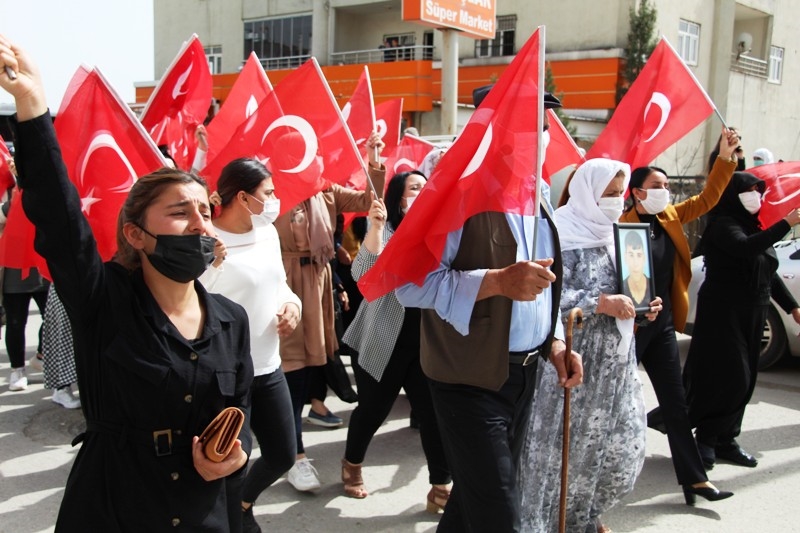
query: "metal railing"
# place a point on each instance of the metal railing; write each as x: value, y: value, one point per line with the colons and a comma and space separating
x: 274, y: 63
x: 749, y: 65
x: 383, y: 55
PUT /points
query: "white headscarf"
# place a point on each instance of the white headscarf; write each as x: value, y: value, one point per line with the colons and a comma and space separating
x: 581, y: 223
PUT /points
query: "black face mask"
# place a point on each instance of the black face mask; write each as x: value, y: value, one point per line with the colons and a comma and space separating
x: 182, y: 258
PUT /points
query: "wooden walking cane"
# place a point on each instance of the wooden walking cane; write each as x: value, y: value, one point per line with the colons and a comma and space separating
x: 575, y: 315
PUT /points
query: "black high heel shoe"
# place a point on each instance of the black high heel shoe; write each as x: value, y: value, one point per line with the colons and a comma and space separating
x: 690, y: 493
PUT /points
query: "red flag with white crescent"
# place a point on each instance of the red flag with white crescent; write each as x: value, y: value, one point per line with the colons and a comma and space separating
x: 562, y: 152
x: 298, y: 131
x: 249, y: 90
x: 180, y: 103
x: 105, y: 149
x: 489, y: 168
x: 359, y: 111
x: 782, y: 193
x: 662, y: 105
x: 388, y: 117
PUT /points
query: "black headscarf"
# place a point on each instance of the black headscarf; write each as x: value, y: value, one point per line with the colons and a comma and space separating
x: 730, y: 205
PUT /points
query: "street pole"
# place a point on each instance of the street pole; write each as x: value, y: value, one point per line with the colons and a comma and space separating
x: 449, y: 114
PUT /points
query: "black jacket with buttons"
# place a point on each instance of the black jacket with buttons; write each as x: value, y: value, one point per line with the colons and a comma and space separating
x: 145, y: 390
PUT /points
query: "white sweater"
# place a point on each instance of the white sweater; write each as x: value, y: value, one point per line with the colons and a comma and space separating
x: 253, y: 276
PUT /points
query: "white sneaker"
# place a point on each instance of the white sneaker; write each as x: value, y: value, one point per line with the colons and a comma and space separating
x: 36, y: 362
x: 302, y: 476
x: 65, y: 398
x: 18, y: 379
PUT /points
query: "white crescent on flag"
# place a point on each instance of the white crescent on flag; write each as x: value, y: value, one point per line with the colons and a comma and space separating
x: 252, y: 106
x: 176, y: 91
x: 785, y: 199
x: 477, y: 158
x: 104, y: 140
x: 346, y: 111
x: 306, y: 131
x: 660, y: 100
x: 382, y: 128
x: 403, y: 161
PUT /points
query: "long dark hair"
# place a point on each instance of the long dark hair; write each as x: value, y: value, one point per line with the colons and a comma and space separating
x: 394, y: 194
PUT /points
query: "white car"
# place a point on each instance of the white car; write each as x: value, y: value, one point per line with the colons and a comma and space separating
x: 781, y: 331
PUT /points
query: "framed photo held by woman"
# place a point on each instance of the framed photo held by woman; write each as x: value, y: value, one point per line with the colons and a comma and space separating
x: 635, y: 264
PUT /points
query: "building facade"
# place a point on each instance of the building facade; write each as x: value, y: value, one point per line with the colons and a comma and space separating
x: 745, y: 53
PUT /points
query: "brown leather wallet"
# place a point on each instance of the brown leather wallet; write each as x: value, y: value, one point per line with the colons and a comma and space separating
x: 220, y: 435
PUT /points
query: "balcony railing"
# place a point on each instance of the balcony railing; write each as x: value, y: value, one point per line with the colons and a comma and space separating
x: 274, y: 63
x: 382, y: 55
x: 749, y: 65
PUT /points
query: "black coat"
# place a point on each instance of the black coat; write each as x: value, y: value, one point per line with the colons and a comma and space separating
x: 137, y: 374
x: 722, y: 364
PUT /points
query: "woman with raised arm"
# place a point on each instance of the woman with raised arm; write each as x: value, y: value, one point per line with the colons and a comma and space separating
x: 157, y: 356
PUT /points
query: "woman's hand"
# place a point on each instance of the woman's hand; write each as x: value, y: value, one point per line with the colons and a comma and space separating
x: 27, y: 88
x: 201, y: 136
x: 209, y: 470
x: 655, y: 308
x: 792, y: 217
x: 373, y: 240
x: 374, y: 148
x: 728, y: 143
x: 288, y: 318
x: 220, y: 252
x: 616, y: 305
x: 796, y: 314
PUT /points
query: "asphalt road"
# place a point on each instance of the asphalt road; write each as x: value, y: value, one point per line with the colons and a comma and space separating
x: 35, y: 458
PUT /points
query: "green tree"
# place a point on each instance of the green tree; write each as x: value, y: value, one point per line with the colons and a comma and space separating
x: 641, y: 42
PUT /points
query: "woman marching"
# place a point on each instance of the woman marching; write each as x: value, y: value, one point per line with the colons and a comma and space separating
x: 157, y: 356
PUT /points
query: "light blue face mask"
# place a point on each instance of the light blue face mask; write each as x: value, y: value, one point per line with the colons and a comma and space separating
x: 757, y: 162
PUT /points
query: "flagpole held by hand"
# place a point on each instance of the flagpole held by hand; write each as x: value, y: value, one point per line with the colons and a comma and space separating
x: 575, y: 316
x: 539, y: 147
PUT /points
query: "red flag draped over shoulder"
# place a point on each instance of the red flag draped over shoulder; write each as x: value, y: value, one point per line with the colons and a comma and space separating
x: 489, y: 168
x: 249, y: 90
x: 180, y: 102
x: 661, y: 106
x: 782, y: 193
x: 301, y: 135
x: 104, y: 149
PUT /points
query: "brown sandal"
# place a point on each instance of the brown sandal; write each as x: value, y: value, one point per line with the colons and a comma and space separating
x: 353, y: 482
x: 437, y: 499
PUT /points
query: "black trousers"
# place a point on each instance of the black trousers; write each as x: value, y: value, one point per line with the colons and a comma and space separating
x: 478, y: 432
x: 298, y: 382
x: 657, y: 350
x: 272, y: 422
x: 16, y: 306
x: 375, y: 401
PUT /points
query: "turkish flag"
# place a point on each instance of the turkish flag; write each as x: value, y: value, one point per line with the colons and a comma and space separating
x: 6, y: 177
x: 408, y: 155
x: 388, y: 116
x: 249, y: 90
x: 782, y: 193
x: 105, y: 149
x: 662, y: 105
x: 562, y: 151
x: 489, y: 168
x: 180, y: 102
x: 298, y: 131
x: 359, y: 111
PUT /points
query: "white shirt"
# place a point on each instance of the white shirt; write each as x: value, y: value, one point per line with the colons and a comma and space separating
x: 253, y: 276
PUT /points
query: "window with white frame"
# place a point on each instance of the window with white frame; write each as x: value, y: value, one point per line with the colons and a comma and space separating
x: 214, y: 57
x: 775, y: 64
x: 503, y: 42
x: 689, y: 41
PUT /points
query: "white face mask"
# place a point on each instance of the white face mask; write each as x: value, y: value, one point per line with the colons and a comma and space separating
x: 269, y: 212
x: 656, y: 201
x: 409, y: 201
x: 612, y: 207
x: 751, y: 200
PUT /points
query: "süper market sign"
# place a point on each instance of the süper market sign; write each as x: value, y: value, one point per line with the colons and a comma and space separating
x: 476, y: 18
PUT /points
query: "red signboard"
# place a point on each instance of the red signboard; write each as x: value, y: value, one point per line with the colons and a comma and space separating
x: 476, y: 18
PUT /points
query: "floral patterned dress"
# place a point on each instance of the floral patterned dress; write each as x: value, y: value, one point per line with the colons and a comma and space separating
x: 607, y: 422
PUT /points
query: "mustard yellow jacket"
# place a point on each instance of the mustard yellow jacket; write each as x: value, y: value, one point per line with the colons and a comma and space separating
x: 672, y: 220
